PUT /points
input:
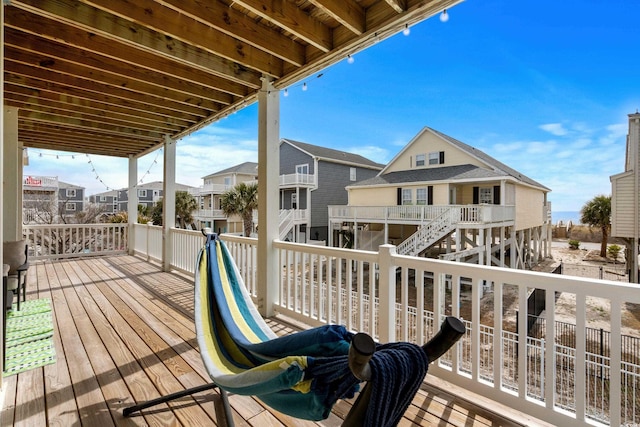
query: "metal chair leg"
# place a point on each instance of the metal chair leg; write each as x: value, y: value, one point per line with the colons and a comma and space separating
x: 177, y: 395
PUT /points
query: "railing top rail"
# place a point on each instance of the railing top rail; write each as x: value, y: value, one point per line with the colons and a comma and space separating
x: 58, y: 226
x: 607, y: 289
x: 359, y: 255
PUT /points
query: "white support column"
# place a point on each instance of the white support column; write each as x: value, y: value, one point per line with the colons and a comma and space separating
x: 387, y: 294
x: 132, y: 202
x: 12, y: 176
x: 168, y: 201
x: 2, y: 237
x: 268, y: 184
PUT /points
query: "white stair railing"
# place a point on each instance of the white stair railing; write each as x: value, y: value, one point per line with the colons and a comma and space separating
x: 286, y: 222
x: 429, y: 234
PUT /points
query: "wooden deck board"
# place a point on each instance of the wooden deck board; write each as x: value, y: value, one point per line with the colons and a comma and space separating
x: 124, y: 334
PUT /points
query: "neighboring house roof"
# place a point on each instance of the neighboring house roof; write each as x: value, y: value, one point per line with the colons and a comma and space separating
x: 499, y: 169
x: 112, y: 193
x: 67, y: 185
x: 246, y: 168
x: 331, y: 155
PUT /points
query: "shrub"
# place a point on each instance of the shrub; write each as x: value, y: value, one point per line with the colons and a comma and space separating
x: 574, y: 244
x: 613, y: 251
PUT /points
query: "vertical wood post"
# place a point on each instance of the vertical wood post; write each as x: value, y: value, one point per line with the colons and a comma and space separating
x: 386, y: 294
x: 132, y: 202
x: 268, y: 195
x: 168, y: 202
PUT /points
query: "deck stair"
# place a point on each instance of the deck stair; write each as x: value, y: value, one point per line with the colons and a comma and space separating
x: 286, y: 222
x: 429, y: 234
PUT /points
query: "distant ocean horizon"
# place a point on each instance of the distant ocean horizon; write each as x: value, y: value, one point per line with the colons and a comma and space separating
x: 565, y: 216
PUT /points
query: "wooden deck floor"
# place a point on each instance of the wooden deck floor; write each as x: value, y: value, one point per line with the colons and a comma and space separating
x: 125, y: 334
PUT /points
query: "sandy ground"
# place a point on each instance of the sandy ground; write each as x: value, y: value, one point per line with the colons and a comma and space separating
x: 586, y: 262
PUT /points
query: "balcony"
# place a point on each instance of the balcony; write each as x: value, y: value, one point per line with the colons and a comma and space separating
x: 125, y: 307
x: 421, y: 214
x: 297, y: 180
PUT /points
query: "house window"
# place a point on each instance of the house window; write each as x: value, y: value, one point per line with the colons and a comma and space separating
x: 420, y: 159
x: 303, y: 169
x: 142, y: 193
x: 352, y: 174
x: 103, y: 198
x: 227, y: 182
x: 436, y: 158
x: 70, y: 207
x: 421, y: 196
x: 486, y: 195
x: 407, y: 196
x: 71, y: 192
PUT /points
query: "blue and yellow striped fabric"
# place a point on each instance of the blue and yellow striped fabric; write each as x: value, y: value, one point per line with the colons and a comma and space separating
x: 243, y: 356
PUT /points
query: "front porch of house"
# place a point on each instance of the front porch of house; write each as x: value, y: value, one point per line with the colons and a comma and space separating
x: 547, y: 376
x: 124, y: 333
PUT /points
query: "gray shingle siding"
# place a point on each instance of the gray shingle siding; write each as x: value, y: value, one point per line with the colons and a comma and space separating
x: 291, y: 157
x: 332, y: 180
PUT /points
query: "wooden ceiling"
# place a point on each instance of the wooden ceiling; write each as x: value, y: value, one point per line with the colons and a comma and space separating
x: 113, y: 77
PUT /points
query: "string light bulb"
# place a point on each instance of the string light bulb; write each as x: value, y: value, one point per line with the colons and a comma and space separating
x: 444, y: 16
x: 406, y: 30
x: 304, y: 86
x: 286, y: 92
x: 350, y: 59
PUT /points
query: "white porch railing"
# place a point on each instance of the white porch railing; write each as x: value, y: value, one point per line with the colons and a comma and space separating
x: 561, y: 383
x: 420, y: 214
x: 52, y: 241
x: 297, y: 179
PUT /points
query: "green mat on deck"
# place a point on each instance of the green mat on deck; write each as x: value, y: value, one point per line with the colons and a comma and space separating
x: 29, y: 337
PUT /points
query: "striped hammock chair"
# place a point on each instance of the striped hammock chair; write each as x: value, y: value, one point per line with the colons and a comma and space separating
x: 303, y: 374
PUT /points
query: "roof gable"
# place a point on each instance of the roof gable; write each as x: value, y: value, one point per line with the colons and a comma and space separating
x: 461, y: 153
x: 246, y: 168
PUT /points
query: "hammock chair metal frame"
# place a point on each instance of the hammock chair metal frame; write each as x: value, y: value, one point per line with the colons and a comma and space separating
x: 361, y: 349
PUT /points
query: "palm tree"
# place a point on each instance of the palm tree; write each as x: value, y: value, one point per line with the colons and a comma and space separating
x: 241, y: 200
x: 185, y: 205
x: 597, y: 213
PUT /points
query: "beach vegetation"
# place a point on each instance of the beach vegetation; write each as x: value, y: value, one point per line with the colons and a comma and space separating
x: 597, y: 213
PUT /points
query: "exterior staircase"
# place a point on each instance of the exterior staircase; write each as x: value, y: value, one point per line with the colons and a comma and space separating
x: 430, y: 233
x: 286, y: 222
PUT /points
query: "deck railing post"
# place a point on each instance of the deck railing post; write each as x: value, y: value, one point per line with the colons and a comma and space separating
x: 387, y: 294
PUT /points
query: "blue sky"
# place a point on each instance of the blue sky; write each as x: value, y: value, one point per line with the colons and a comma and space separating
x: 542, y: 86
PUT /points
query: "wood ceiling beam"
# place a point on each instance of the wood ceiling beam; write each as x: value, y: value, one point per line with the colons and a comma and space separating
x: 144, y: 47
x: 26, y: 109
x: 347, y: 12
x: 37, y: 62
x: 56, y: 52
x: 71, y: 94
x: 398, y: 5
x: 61, y: 132
x: 95, y: 126
x: 291, y: 18
x: 238, y: 25
x: 53, y: 99
x: 97, y: 89
x: 143, y: 26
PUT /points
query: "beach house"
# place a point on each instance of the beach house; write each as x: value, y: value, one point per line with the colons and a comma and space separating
x: 625, y: 198
x: 122, y: 79
x: 443, y: 198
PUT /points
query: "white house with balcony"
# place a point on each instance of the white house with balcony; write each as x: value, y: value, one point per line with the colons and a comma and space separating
x: 439, y: 197
x: 209, y: 196
x: 625, y: 198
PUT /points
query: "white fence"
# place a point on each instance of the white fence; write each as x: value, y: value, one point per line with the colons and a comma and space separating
x: 53, y: 241
x: 564, y: 385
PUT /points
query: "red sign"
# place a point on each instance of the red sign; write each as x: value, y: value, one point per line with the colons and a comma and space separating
x: 33, y: 181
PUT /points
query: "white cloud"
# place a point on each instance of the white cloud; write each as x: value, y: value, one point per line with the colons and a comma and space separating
x: 555, y: 129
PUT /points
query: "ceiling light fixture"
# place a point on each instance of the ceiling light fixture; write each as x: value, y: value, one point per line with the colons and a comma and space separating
x: 286, y: 92
x: 406, y: 30
x: 444, y: 16
x: 350, y: 59
x: 304, y: 86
